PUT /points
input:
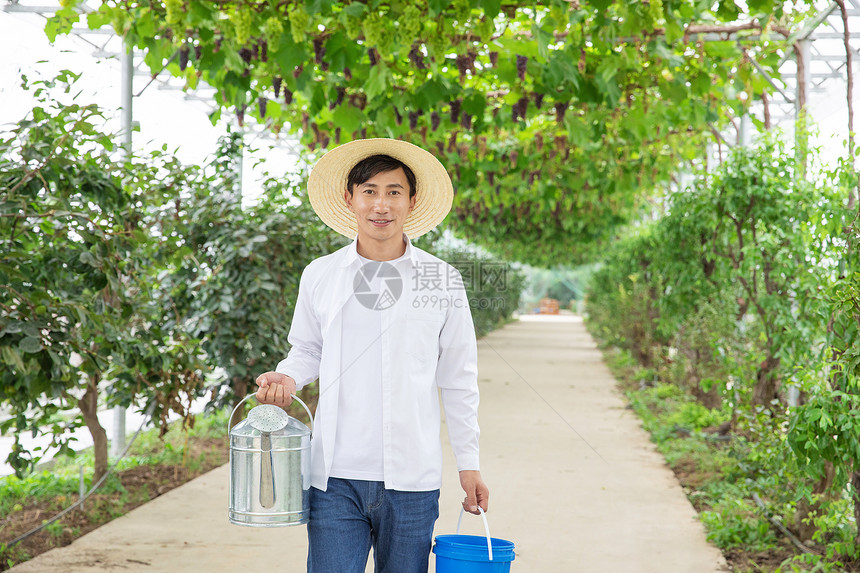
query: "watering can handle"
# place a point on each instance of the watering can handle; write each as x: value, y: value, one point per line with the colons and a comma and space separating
x: 486, y: 528
x: 254, y: 395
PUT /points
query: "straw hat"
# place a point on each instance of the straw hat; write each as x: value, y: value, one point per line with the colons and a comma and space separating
x: 327, y: 183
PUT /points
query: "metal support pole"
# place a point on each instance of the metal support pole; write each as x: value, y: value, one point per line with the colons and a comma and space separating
x: 801, y: 130
x: 241, y: 166
x: 744, y: 131
x: 126, y: 64
x: 82, y: 489
x: 117, y: 443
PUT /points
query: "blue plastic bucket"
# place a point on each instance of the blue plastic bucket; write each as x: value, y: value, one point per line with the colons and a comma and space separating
x: 471, y: 553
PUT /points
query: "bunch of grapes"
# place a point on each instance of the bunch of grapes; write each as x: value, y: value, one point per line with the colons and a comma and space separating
x: 417, y: 57
x: 524, y: 106
x: 352, y: 25
x: 261, y: 103
x: 455, y: 110
x: 360, y: 101
x: 297, y: 71
x: 521, y: 67
x: 466, y: 121
x: 452, y: 142
x: 339, y: 98
x: 561, y: 145
x: 560, y: 108
x: 440, y: 147
x: 276, y: 85
x: 435, y: 119
x: 494, y: 58
x: 520, y: 109
x: 462, y: 10
x: 655, y: 13
x: 373, y: 55
x: 319, y: 52
x: 538, y: 97
x: 409, y: 24
x: 217, y: 45
x: 398, y: 119
x: 272, y: 30
x: 337, y: 135
x: 375, y: 33
x: 539, y: 142
x: 462, y: 66
x: 241, y: 20
x: 263, y: 51
x: 299, y: 22
x: 491, y: 177
x: 246, y: 54
x: 413, y: 119
x: 183, y: 57
x: 347, y: 74
x: 288, y: 96
x: 175, y: 12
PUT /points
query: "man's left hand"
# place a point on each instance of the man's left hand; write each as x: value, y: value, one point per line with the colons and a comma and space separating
x: 476, y: 490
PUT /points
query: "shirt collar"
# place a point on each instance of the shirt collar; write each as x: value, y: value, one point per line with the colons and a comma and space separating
x: 351, y: 257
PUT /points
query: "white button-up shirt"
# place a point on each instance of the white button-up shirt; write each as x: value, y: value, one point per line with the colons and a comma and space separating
x: 428, y: 349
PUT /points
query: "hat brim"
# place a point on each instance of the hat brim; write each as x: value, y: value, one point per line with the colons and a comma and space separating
x: 327, y: 184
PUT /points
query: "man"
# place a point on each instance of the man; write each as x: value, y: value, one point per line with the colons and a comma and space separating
x: 386, y: 328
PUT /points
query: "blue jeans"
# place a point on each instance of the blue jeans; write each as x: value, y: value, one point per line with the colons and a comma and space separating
x: 352, y: 516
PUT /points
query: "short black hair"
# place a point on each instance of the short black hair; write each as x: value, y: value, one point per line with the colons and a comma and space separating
x: 375, y: 164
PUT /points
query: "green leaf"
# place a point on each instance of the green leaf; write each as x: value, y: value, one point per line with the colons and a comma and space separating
x: 377, y: 81
x: 355, y: 9
x: 30, y: 345
x: 97, y: 19
x: 348, y: 118
x: 437, y: 6
x: 491, y: 7
x: 88, y: 259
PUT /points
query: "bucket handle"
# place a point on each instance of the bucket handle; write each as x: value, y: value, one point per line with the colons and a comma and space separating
x: 486, y: 528
x: 254, y: 395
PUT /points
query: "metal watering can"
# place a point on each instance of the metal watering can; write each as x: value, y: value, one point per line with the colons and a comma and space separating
x: 270, y: 467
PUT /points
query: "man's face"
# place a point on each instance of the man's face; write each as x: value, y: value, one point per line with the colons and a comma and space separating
x: 381, y: 205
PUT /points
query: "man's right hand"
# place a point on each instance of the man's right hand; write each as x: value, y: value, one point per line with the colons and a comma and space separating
x: 275, y: 388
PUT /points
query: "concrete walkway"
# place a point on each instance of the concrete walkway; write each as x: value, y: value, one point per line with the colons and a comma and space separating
x: 574, y: 483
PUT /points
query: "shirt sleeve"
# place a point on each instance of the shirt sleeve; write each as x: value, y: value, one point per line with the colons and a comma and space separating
x: 305, y: 338
x: 457, y: 377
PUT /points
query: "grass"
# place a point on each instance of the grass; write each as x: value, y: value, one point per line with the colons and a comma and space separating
x: 719, y: 476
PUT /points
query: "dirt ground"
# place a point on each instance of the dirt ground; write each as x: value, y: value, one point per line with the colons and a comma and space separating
x: 142, y: 484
